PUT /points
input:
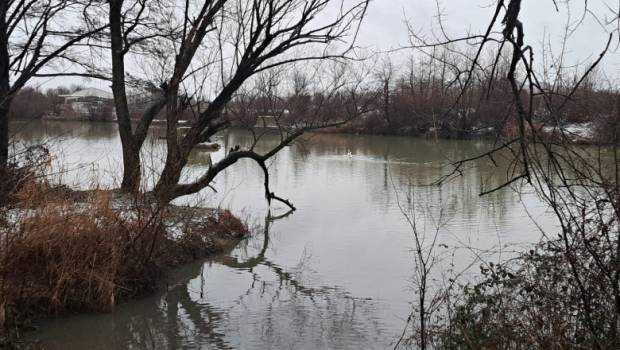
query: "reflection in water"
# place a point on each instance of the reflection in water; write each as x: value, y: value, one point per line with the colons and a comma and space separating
x: 292, y: 315
x: 336, y: 274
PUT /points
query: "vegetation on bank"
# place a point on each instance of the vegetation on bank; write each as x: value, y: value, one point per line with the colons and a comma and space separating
x: 543, y: 298
x: 563, y: 293
x: 535, y: 301
x: 69, y: 251
x: 426, y: 97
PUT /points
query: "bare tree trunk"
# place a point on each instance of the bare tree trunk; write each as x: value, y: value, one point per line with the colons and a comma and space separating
x: 4, y: 129
x: 170, y: 176
x: 4, y: 133
x: 386, y: 104
x: 4, y: 87
x: 132, y: 170
x: 131, y: 153
x: 178, y: 152
x: 616, y: 278
x: 4, y: 144
x: 175, y: 160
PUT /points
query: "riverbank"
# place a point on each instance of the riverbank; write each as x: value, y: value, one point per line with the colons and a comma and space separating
x: 584, y: 133
x: 67, y: 251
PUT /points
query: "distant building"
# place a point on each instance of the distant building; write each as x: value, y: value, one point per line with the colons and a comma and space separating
x: 271, y: 119
x: 91, y: 103
x: 266, y: 122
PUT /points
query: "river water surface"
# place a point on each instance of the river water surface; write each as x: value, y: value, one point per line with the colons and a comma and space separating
x: 336, y: 274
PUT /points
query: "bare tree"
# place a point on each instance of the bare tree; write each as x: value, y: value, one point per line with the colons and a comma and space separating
x: 33, y: 36
x: 132, y: 25
x: 220, y: 45
x: 385, y: 75
x: 579, y: 184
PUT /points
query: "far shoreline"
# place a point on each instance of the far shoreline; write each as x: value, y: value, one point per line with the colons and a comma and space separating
x: 552, y: 134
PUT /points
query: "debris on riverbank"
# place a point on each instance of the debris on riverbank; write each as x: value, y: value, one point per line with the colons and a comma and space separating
x: 66, y: 251
x: 206, y: 146
x: 575, y: 132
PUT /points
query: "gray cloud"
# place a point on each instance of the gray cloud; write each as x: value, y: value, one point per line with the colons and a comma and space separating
x: 385, y: 29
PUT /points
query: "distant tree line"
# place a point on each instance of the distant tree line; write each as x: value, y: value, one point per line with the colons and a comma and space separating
x: 415, y: 99
x: 425, y: 97
x: 36, y: 103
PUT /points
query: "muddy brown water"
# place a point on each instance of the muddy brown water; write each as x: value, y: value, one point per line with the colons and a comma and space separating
x: 336, y: 274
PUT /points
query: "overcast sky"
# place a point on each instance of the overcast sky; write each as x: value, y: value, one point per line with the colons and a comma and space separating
x: 384, y: 27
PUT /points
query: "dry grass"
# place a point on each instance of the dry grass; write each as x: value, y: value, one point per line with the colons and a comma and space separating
x: 215, y: 234
x: 59, y: 254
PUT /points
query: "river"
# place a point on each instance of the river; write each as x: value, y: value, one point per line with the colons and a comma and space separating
x: 336, y: 274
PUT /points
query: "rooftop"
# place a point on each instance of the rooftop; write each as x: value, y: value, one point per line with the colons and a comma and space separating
x: 90, y: 92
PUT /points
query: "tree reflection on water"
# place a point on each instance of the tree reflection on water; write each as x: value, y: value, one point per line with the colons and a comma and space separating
x: 270, y: 307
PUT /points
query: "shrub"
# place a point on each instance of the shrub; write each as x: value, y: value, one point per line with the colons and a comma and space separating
x: 535, y: 302
x: 65, y: 251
